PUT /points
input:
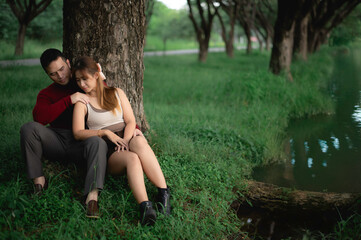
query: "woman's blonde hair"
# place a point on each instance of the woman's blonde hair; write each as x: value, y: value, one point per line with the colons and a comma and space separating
x: 106, y: 96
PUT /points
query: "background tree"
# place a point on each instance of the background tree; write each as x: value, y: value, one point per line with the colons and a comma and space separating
x: 149, y: 6
x: 348, y: 31
x: 324, y: 16
x: 265, y: 19
x: 231, y: 8
x: 113, y: 33
x: 203, y: 28
x: 246, y: 18
x: 25, y: 11
x: 170, y: 24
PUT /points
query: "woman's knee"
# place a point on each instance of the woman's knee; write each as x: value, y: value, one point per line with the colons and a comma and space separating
x: 138, y: 142
x: 133, y: 160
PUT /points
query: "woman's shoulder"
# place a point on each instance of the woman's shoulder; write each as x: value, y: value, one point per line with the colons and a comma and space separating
x: 120, y: 92
x: 80, y: 105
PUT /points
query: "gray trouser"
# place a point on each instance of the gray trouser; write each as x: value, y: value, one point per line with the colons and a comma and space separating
x: 38, y: 141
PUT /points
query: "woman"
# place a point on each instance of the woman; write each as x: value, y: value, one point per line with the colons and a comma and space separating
x: 109, y: 115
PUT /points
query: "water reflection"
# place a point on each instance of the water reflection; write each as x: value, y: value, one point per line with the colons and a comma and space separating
x: 324, y: 153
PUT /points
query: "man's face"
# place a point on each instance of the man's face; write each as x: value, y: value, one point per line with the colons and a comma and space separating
x: 59, y: 71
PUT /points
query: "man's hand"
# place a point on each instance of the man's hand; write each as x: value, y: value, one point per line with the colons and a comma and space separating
x: 79, y: 97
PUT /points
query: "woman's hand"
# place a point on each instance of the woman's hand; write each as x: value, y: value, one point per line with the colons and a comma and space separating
x: 120, y: 143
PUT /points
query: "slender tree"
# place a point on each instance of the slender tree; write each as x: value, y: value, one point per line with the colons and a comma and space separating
x: 246, y: 18
x: 25, y: 11
x: 231, y: 7
x: 112, y: 32
x: 265, y: 18
x: 204, y: 28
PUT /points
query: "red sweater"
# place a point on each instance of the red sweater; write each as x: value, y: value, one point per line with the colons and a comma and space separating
x: 53, y: 106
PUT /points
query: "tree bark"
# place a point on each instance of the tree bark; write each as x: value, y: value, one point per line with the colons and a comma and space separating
x: 301, y: 39
x: 277, y: 199
x: 112, y: 32
x: 19, y: 48
x: 282, y: 51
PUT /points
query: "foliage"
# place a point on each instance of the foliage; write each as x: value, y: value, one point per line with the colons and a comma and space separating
x: 169, y: 24
x: 210, y: 124
x: 349, y: 30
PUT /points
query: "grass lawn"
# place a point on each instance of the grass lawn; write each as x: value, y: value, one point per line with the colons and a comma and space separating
x: 210, y: 125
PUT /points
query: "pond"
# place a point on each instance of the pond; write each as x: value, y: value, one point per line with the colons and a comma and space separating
x: 324, y: 152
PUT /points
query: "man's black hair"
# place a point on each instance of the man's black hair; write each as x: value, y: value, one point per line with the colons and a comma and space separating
x: 50, y: 55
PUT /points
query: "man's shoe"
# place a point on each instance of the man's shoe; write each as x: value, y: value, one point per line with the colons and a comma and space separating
x: 92, y: 209
x: 163, y: 202
x: 39, y: 190
x: 147, y: 213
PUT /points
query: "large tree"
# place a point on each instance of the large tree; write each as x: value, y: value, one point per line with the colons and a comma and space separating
x: 112, y: 32
x: 25, y: 11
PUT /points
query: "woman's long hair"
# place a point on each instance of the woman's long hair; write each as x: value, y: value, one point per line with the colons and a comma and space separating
x: 106, y: 96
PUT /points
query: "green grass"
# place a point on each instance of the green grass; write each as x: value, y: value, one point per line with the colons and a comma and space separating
x: 32, y: 49
x: 210, y: 125
x: 154, y: 43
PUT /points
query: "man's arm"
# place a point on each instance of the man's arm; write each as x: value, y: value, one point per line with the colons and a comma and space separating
x: 45, y: 111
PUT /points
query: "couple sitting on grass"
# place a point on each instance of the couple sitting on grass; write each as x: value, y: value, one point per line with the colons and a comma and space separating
x: 92, y: 125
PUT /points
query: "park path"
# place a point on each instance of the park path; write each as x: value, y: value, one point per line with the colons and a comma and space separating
x: 36, y: 61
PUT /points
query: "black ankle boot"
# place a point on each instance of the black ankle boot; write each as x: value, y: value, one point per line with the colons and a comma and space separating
x: 147, y: 213
x: 163, y: 203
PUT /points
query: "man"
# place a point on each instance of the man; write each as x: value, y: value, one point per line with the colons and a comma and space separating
x: 54, y: 106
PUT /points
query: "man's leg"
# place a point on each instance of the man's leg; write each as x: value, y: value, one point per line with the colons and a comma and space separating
x: 37, y: 141
x: 94, y: 151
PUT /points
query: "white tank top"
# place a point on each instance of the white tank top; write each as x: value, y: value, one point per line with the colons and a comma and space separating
x: 99, y: 118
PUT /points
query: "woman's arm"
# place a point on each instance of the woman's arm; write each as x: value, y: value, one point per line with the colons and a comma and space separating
x: 79, y: 131
x: 128, y: 116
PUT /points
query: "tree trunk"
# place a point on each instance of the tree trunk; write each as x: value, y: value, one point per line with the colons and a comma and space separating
x: 282, y: 50
x: 203, y: 50
x: 247, y: 31
x: 301, y: 39
x: 19, y: 48
x: 230, y: 48
x: 268, y: 42
x: 277, y: 199
x: 113, y: 33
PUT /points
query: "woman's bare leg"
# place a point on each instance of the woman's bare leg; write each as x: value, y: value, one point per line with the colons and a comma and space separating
x: 118, y: 162
x: 149, y: 161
